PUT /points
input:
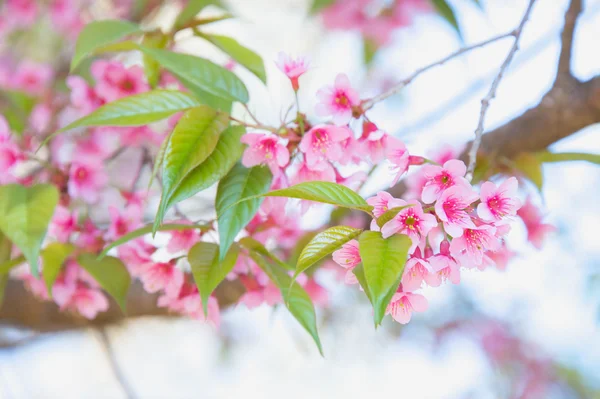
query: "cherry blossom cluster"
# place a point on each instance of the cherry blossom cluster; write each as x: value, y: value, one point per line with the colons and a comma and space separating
x: 376, y: 20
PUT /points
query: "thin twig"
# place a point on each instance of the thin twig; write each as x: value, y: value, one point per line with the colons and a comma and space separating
x: 254, y: 126
x: 251, y: 114
x: 114, y: 365
x: 566, y: 38
x: 485, y: 103
x: 368, y: 104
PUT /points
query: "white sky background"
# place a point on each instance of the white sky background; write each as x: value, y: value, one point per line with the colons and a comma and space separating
x: 265, y: 354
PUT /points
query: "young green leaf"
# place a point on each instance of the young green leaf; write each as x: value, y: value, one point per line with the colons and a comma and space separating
x: 5, y: 250
x: 207, y: 270
x: 25, y: 213
x: 323, y: 244
x: 3, y: 283
x: 244, y: 56
x: 191, y: 9
x: 202, y: 74
x: 110, y: 273
x: 318, y: 5
x: 325, y: 192
x: 383, y: 263
x: 254, y: 245
x: 227, y: 152
x: 359, y: 272
x: 546, y: 156
x: 53, y: 257
x: 8, y: 265
x: 142, y: 231
x: 151, y: 66
x: 294, y: 296
x: 16, y: 108
x: 531, y: 167
x: 191, y: 142
x: 140, y: 109
x: 444, y: 9
x: 97, y: 34
x: 232, y: 214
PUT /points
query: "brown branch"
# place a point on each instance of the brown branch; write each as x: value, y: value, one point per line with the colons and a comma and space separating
x: 566, y: 37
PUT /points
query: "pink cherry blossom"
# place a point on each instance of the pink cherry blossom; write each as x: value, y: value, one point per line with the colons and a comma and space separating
x: 32, y: 78
x: 90, y: 237
x: 380, y: 203
x: 323, y: 143
x: 404, y: 303
x: 398, y: 156
x: 137, y: 256
x: 83, y: 97
x: 501, y: 257
x: 338, y: 100
x: 86, y: 180
x: 375, y: 144
x: 536, y: 229
x: 470, y: 247
x: 10, y: 153
x: 317, y: 292
x: 21, y: 12
x: 162, y: 276
x: 498, y: 202
x: 444, y: 267
x: 416, y: 271
x: 292, y: 68
x: 452, y: 209
x: 187, y: 301
x: 182, y: 240
x: 114, y: 81
x: 63, y: 224
x: 411, y: 221
x: 265, y: 149
x: 86, y: 301
x: 348, y: 257
x: 440, y: 178
x: 323, y: 172
x: 123, y: 222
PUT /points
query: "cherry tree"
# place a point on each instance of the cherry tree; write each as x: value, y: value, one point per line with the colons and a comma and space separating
x: 93, y: 244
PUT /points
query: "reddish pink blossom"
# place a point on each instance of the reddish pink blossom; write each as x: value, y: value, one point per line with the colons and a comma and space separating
x: 182, y: 240
x: 536, y: 229
x: 404, y: 303
x: 338, y: 100
x: 65, y: 14
x: 348, y: 257
x: 323, y: 143
x: 187, y: 301
x: 440, y: 178
x: 444, y: 267
x: 411, y: 221
x: 256, y: 293
x: 86, y: 301
x: 317, y: 292
x: 380, y: 203
x: 292, y: 68
x: 162, y: 276
x: 399, y: 157
x: 376, y: 144
x: 138, y: 136
x: 501, y: 257
x: 32, y: 78
x: 470, y: 247
x: 137, y: 256
x: 63, y: 224
x: 40, y: 117
x: 323, y: 172
x: 452, y: 208
x: 10, y: 153
x: 114, y: 81
x: 416, y: 271
x: 265, y: 149
x: 83, y: 97
x: 122, y: 223
x: 90, y: 237
x: 498, y: 202
x: 21, y: 12
x: 86, y: 180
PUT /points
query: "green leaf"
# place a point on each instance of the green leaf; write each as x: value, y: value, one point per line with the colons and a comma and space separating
x: 5, y: 250
x: 3, y: 284
x: 8, y: 265
x: 295, y: 297
x: 110, y: 273
x: 244, y: 56
x: 369, y: 50
x: 158, y: 160
x: 325, y: 192
x: 232, y: 214
x: 254, y: 245
x: 323, y: 244
x: 383, y: 263
x: 389, y: 215
x: 359, y: 272
x: 444, y: 9
x: 53, y: 257
x: 140, y: 109
x: 100, y: 33
x: 191, y: 142
x: 151, y: 66
x: 207, y: 270
x: 227, y: 152
x: 25, y: 213
x: 191, y: 9
x: 200, y: 74
x: 531, y: 167
x: 142, y: 231
x: 318, y: 5
x: 546, y: 156
x: 16, y: 108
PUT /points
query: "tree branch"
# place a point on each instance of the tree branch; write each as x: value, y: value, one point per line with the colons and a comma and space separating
x: 485, y: 103
x: 566, y: 37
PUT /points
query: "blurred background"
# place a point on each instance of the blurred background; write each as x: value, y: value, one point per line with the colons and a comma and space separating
x: 532, y: 329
